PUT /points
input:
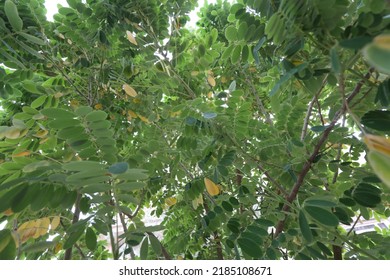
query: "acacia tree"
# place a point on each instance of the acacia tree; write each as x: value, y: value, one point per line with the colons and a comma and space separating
x: 245, y: 134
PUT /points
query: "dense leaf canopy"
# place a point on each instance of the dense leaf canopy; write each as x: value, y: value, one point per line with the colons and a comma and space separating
x: 260, y: 134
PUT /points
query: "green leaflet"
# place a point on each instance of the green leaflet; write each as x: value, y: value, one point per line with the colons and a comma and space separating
x: 155, y: 244
x: 90, y: 239
x: 96, y: 116
x: 58, y: 113
x: 144, y: 249
x: 7, y: 245
x: 304, y: 226
x: 250, y: 247
x: 11, y: 11
x: 322, y: 215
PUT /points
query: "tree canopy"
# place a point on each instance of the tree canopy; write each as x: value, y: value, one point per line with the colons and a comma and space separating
x: 260, y: 134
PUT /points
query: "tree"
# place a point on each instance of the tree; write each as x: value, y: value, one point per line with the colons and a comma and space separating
x: 248, y: 135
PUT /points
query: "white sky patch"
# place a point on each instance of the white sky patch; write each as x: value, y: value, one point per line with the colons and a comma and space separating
x: 52, y: 7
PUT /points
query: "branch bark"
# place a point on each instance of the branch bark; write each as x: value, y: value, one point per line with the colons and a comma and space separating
x: 301, y: 177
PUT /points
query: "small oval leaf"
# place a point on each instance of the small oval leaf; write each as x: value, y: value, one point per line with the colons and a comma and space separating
x: 211, y: 187
x: 322, y: 215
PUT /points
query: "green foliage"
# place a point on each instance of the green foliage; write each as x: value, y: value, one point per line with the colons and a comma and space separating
x: 119, y: 108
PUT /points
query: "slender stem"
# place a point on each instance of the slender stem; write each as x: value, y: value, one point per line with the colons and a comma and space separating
x: 354, y: 225
x: 339, y: 149
x: 258, y: 100
x: 310, y: 108
x: 80, y: 252
x: 76, y: 217
x: 67, y: 78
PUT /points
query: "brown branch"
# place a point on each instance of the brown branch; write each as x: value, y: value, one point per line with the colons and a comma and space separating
x: 219, y: 245
x: 337, y: 252
x: 354, y: 224
x: 301, y: 177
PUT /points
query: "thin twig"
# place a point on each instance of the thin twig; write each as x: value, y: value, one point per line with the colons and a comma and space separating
x: 80, y: 251
x: 258, y: 101
x: 310, y: 108
x: 66, y: 77
x: 354, y: 225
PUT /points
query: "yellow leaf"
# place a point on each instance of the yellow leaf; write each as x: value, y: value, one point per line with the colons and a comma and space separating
x: 22, y: 154
x: 57, y: 248
x: 296, y: 62
x: 211, y: 81
x: 131, y: 38
x: 252, y: 69
x: 58, y: 94
x: 211, y: 187
x: 210, y: 94
x: 27, y: 230
x: 136, y: 100
x: 8, y: 212
x: 379, y: 156
x: 98, y: 106
x: 224, y: 80
x: 197, y: 201
x: 170, y: 201
x: 44, y: 140
x: 44, y: 226
x: 129, y: 90
x: 175, y: 114
x: 74, y: 103
x: 132, y: 114
x: 194, y: 73
x: 142, y: 118
x: 55, y: 222
x: 41, y: 134
x: 37, y: 232
x: 377, y: 143
x: 383, y: 41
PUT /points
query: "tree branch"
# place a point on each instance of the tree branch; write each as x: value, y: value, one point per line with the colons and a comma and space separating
x: 301, y: 177
x: 219, y: 245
